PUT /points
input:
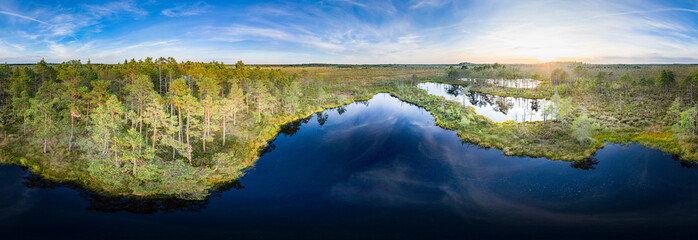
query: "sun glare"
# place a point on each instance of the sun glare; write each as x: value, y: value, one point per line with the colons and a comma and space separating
x: 547, y: 58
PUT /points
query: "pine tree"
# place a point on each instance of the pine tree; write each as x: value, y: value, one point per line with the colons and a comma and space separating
x: 229, y: 107
x: 154, y: 115
x: 263, y: 99
x: 43, y: 110
x: 178, y: 92
x: 208, y: 92
x: 20, y: 106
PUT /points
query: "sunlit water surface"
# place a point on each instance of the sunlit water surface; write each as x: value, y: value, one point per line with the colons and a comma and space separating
x: 383, y: 169
x: 526, y: 83
x: 496, y: 108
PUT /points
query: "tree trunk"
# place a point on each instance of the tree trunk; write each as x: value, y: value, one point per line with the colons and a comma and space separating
x: 203, y: 140
x: 524, y: 122
x: 179, y: 127
x: 225, y: 119
x: 189, y: 150
x: 140, y: 117
x: 72, y: 130
x: 160, y: 77
x: 173, y: 134
x: 155, y: 131
x: 134, y: 161
x: 87, y: 120
x: 695, y: 124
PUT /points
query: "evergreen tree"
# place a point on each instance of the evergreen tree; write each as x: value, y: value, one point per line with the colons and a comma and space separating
x: 263, y: 99
x: 208, y: 92
x: 229, y: 107
x: 5, y: 73
x: 20, y: 106
x: 43, y: 110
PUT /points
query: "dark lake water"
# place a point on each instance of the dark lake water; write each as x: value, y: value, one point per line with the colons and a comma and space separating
x: 382, y: 169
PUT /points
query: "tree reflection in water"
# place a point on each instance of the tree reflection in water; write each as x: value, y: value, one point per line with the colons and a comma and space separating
x: 497, y: 108
x: 291, y: 128
x: 321, y: 118
x: 499, y: 104
x: 102, y: 203
x: 534, y: 105
x: 341, y: 110
x: 684, y: 163
x: 454, y: 90
x: 586, y: 164
x: 503, y: 105
x: 687, y: 164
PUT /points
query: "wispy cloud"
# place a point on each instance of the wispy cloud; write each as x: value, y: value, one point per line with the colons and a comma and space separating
x: 22, y: 16
x: 568, y: 34
x: 114, y: 8
x: 428, y: 3
x: 355, y: 3
x: 194, y: 9
x: 356, y: 31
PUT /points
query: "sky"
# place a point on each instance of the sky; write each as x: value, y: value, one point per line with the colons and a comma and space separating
x: 351, y: 31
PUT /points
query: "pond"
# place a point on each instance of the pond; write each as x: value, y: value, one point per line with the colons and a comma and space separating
x: 525, y: 83
x: 383, y: 169
x: 496, y: 108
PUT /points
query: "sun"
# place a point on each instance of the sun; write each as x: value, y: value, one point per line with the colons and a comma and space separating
x: 547, y: 58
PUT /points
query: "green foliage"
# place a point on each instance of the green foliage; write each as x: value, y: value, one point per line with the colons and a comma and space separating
x: 20, y: 81
x: 666, y: 78
x: 559, y: 75
x: 674, y: 112
x: 686, y: 126
x: 484, y: 71
x: 583, y: 128
x: 20, y: 106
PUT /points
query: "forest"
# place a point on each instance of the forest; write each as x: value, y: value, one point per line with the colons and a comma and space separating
x: 162, y: 128
x: 155, y: 127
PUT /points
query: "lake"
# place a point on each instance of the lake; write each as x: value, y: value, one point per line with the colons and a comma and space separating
x: 383, y: 169
x: 496, y: 108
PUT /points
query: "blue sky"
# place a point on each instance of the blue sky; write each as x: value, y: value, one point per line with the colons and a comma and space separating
x: 351, y: 31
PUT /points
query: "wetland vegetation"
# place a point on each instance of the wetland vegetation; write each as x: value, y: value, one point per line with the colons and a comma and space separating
x: 162, y: 128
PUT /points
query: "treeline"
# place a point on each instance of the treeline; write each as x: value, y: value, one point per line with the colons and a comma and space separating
x: 485, y: 71
x: 153, y: 126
